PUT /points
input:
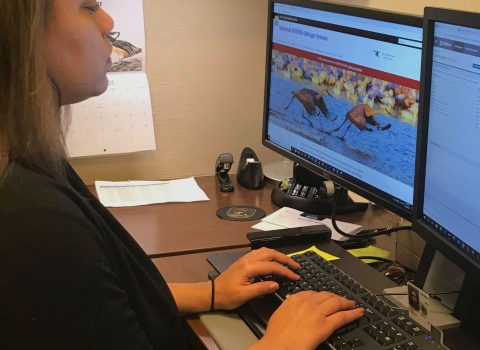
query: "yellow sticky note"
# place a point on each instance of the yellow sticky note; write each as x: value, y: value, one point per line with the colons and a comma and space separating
x: 324, y: 255
x: 370, y: 251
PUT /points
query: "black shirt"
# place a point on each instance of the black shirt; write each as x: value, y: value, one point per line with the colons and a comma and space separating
x: 71, y: 277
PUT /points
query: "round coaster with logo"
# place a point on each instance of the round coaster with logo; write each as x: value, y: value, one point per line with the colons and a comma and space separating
x: 240, y: 213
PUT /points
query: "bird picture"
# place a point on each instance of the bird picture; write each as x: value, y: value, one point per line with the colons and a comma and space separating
x: 311, y: 99
x: 361, y: 115
x: 121, y: 49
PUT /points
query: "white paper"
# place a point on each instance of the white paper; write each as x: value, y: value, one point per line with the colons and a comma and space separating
x: 344, y: 226
x: 287, y: 218
x: 135, y: 193
x: 357, y: 198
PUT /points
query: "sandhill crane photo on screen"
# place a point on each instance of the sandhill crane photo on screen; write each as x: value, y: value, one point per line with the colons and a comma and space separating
x: 311, y: 99
x: 361, y: 115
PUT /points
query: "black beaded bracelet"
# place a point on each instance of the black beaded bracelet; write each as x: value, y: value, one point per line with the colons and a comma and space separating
x: 212, y: 304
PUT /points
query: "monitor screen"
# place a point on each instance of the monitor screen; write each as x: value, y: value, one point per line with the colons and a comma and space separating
x: 342, y: 91
x: 451, y: 164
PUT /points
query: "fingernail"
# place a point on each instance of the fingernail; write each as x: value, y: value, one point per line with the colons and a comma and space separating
x: 273, y: 287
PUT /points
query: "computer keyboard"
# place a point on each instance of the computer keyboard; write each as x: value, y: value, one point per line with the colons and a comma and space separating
x: 381, y: 327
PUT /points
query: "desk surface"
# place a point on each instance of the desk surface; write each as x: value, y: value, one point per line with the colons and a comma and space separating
x: 184, y: 228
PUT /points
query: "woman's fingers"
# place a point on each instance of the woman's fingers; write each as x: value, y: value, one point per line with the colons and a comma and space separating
x: 266, y: 254
x: 335, y: 304
x: 342, y: 318
x: 322, y: 297
x: 267, y: 268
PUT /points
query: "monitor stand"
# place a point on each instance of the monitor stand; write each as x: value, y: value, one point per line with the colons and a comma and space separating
x: 277, y: 171
x: 319, y: 206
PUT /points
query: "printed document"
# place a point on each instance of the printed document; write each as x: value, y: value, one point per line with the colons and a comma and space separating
x: 134, y: 193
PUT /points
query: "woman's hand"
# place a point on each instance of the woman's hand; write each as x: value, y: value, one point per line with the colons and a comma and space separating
x: 233, y: 287
x: 307, y: 319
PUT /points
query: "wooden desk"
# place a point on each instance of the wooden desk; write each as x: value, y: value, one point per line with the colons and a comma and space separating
x: 185, y: 228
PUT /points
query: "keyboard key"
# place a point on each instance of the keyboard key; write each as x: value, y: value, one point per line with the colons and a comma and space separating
x: 312, y: 278
x: 352, y: 325
x: 362, y: 321
x: 305, y: 264
x: 303, y: 283
x: 386, y: 310
x: 358, y: 289
x: 400, y: 321
x: 386, y: 341
x: 298, y: 258
x: 335, y: 340
x: 301, y: 271
x: 398, y: 337
x: 411, y: 346
x: 369, y: 298
x: 414, y: 331
x: 371, y: 316
x: 332, y: 269
x: 355, y: 343
x: 383, y: 326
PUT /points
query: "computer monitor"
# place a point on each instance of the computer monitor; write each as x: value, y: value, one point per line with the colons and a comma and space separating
x: 341, y: 95
x: 447, y: 197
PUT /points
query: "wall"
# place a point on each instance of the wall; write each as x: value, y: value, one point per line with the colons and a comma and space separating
x: 205, y: 63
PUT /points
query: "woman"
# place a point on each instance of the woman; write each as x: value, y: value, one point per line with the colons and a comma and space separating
x: 70, y: 275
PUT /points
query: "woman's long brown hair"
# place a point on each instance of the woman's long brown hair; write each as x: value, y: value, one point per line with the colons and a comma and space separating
x: 32, y: 130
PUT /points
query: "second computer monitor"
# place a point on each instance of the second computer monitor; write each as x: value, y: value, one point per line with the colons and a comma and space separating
x: 448, y: 171
x: 341, y: 95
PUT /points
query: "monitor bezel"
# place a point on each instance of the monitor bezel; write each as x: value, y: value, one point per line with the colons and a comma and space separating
x: 357, y: 11
x: 436, y: 239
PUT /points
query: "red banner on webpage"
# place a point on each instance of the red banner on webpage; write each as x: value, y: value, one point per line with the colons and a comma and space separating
x: 393, y: 78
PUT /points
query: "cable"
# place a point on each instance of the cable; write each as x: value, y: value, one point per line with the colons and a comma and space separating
x: 376, y: 233
x: 386, y: 260
x: 353, y: 241
x: 363, y: 237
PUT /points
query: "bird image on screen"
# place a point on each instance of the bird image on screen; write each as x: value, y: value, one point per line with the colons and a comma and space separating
x: 360, y: 116
x: 311, y: 100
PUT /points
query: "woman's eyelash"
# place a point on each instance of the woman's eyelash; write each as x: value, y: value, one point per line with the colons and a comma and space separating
x: 93, y: 8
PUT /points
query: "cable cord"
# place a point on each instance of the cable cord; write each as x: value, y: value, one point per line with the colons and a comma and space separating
x: 387, y: 261
x: 364, y: 237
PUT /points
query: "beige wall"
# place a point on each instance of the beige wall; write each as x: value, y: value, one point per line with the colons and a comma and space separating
x: 205, y: 63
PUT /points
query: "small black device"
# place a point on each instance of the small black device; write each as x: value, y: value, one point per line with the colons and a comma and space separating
x: 289, y: 236
x: 249, y: 172
x: 222, y: 167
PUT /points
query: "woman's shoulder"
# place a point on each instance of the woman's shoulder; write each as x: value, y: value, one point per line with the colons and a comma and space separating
x: 23, y: 188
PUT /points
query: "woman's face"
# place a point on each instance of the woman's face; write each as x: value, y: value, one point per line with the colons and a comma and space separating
x: 77, y: 50
x: 413, y: 296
